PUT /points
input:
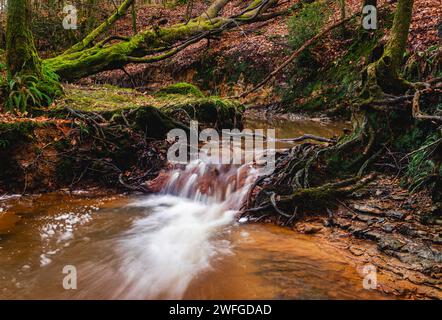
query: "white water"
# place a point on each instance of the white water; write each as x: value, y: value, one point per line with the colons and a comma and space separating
x: 182, y: 231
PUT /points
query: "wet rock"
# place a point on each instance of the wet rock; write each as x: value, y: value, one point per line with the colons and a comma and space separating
x: 395, y: 215
x: 397, y: 197
x: 372, y: 221
x: 388, y: 227
x: 437, y: 240
x: 373, y: 235
x: 364, y: 217
x: 390, y: 243
x: 367, y: 234
x: 341, y: 223
x: 406, y: 230
x: 420, y: 250
x: 356, y: 251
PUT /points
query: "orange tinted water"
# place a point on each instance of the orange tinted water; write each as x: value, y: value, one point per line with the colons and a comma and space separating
x: 259, y: 261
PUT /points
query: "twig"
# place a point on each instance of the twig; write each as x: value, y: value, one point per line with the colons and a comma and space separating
x: 307, y: 137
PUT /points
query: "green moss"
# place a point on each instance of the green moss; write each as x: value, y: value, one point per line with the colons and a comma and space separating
x: 181, y: 88
x: 102, y: 98
x: 316, y: 87
x: 76, y: 65
x: 212, y: 110
x: 111, y: 101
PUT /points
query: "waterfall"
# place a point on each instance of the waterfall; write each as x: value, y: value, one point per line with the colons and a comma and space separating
x: 180, y: 234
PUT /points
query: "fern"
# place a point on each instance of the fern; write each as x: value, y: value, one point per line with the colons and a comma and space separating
x: 21, y: 91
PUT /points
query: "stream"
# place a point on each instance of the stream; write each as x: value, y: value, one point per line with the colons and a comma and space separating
x: 182, y: 243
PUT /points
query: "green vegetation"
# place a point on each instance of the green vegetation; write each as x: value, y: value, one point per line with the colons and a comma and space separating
x: 423, y: 170
x: 181, y: 88
x: 314, y: 86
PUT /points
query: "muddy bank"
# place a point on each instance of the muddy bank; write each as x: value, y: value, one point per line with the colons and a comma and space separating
x: 398, y: 232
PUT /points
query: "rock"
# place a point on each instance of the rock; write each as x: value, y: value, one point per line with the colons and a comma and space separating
x: 437, y: 240
x: 395, y: 215
x: 407, y: 231
x: 388, y: 227
x: 389, y: 243
x: 367, y: 209
x: 364, y: 217
x: 396, y: 197
x: 309, y: 228
x: 356, y: 251
x: 373, y: 235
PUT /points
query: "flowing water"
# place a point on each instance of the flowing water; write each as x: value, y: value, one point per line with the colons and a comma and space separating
x: 183, y: 243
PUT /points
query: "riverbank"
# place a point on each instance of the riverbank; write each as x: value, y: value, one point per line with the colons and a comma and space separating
x: 102, y: 136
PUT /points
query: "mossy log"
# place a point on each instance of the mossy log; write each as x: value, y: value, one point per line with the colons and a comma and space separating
x: 151, y: 45
x: 181, y: 102
x: 102, y: 28
x: 119, y: 142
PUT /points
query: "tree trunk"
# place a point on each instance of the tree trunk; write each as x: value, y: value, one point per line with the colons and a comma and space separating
x: 134, y: 18
x: 313, y: 174
x: 383, y: 75
x: 22, y: 57
x: 21, y: 54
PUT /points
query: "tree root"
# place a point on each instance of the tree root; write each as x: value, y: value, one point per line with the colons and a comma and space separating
x: 417, y: 114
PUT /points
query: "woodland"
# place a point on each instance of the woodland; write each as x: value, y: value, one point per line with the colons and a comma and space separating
x: 90, y: 107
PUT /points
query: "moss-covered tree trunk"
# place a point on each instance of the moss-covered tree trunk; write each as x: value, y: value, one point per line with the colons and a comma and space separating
x: 383, y: 75
x: 151, y: 45
x: 102, y: 28
x: 21, y: 55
